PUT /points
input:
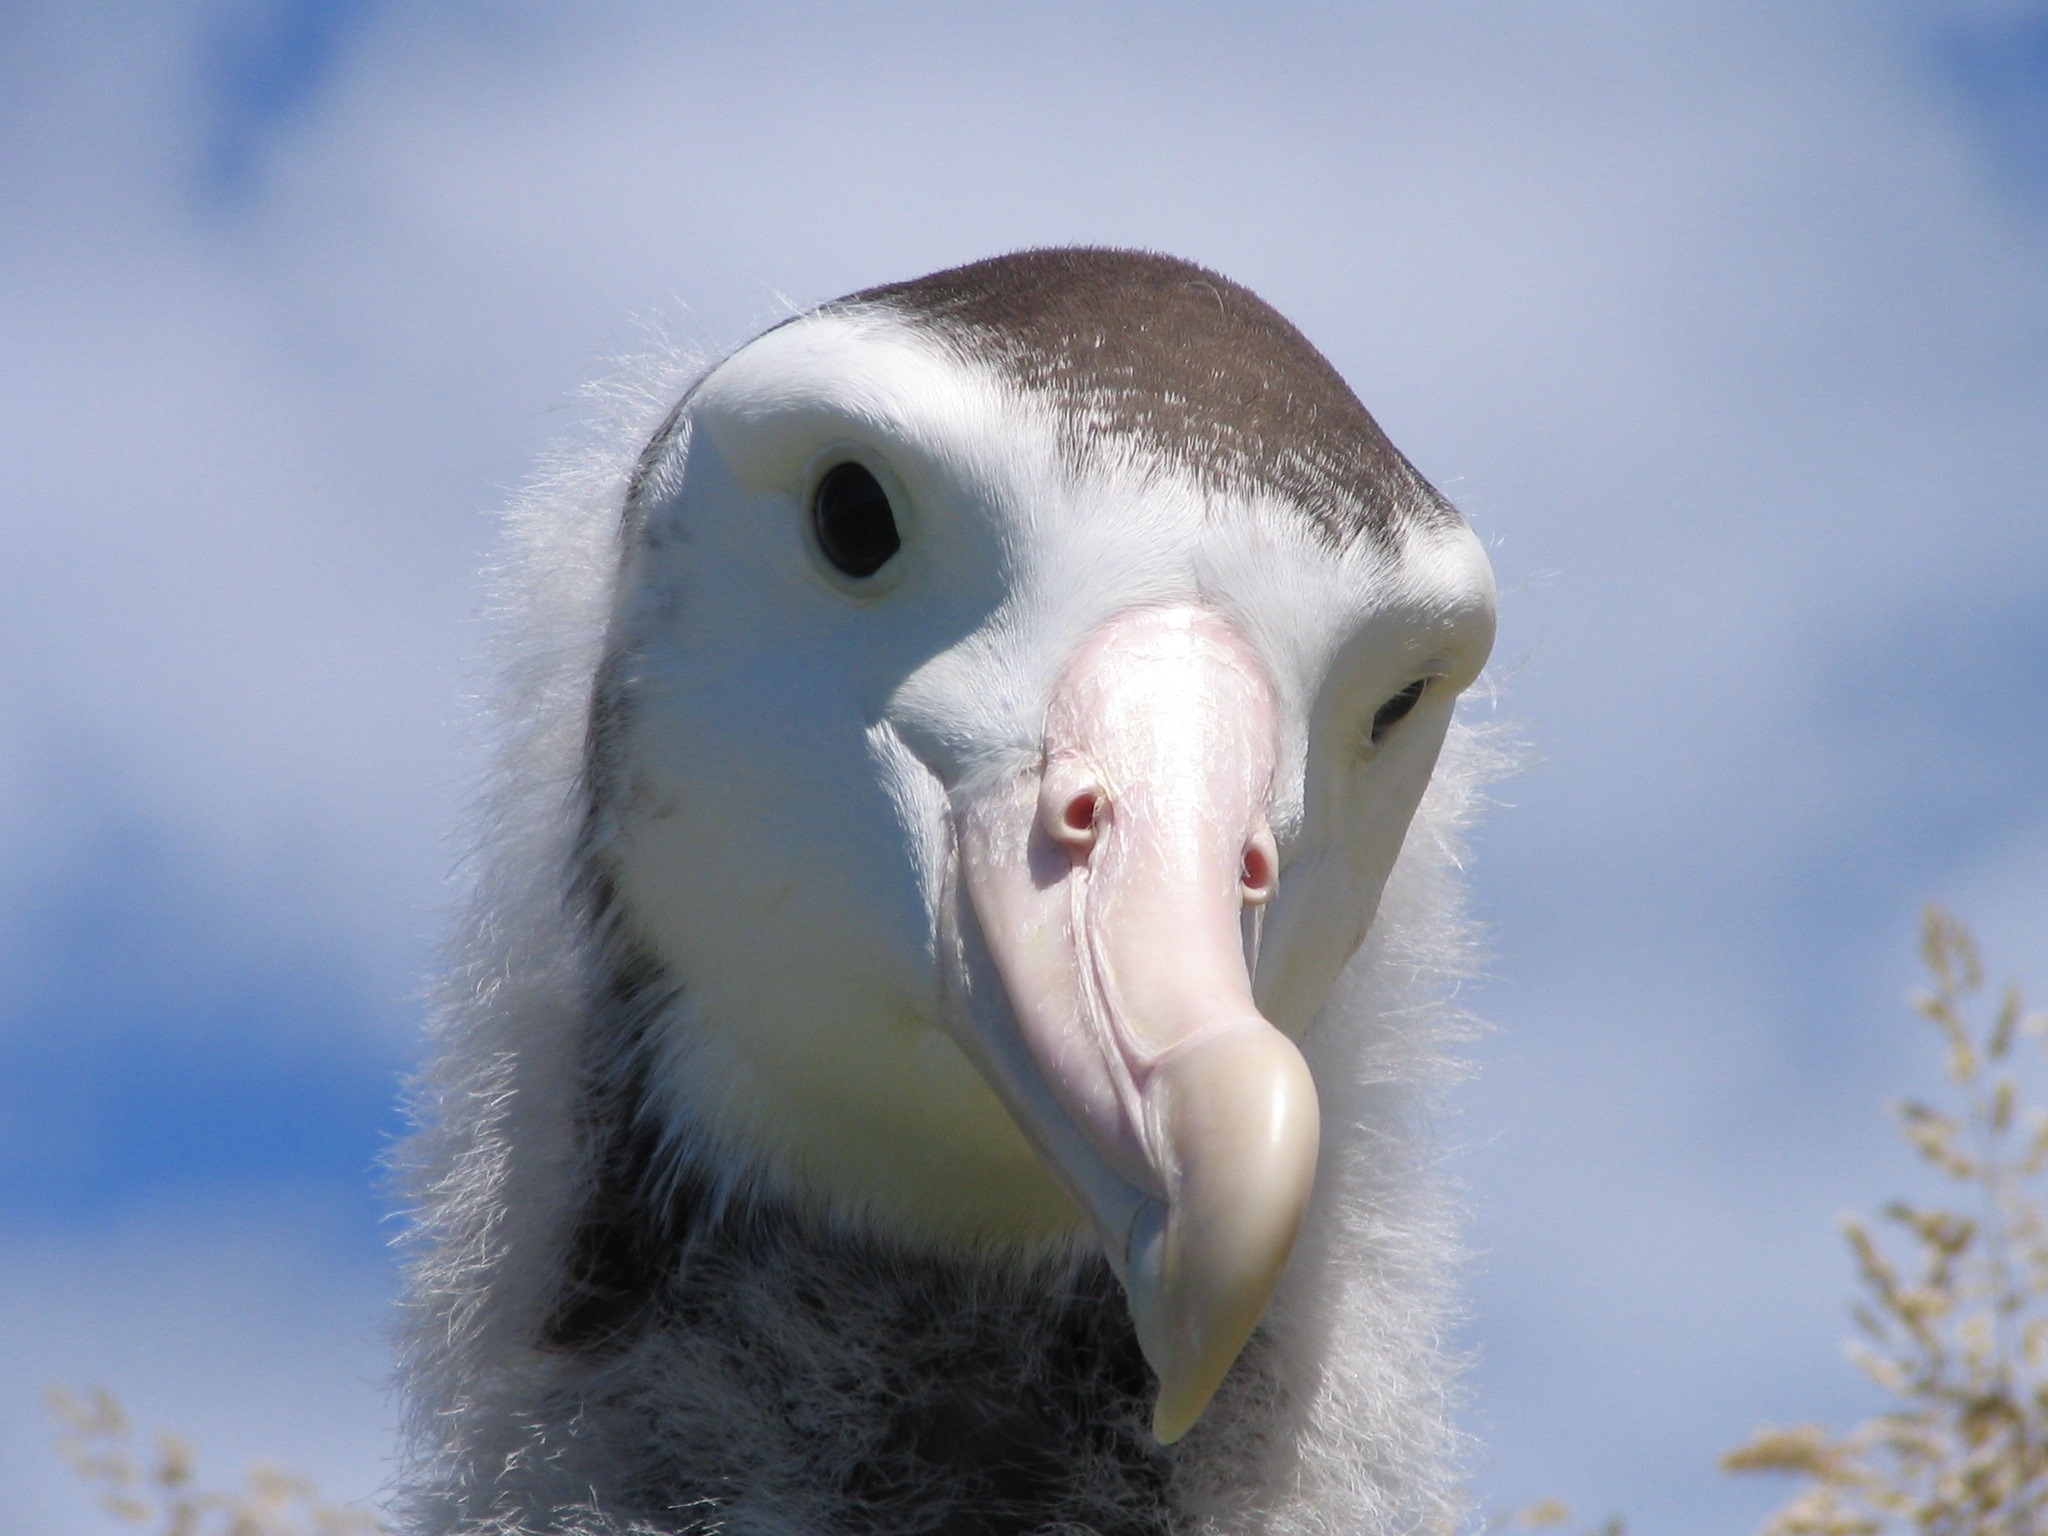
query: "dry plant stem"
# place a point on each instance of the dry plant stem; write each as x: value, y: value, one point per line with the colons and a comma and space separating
x: 160, y: 1494
x: 1956, y: 1328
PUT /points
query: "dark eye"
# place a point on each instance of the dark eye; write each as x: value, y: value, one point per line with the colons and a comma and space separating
x: 1395, y: 710
x: 855, y: 525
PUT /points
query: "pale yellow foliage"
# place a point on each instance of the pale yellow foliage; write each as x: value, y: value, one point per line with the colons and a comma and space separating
x: 159, y: 1492
x: 1955, y: 1327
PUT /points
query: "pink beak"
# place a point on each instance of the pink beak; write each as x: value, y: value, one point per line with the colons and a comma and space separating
x: 1118, y: 890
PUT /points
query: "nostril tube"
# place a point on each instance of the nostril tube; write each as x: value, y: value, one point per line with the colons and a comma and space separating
x: 1071, y: 804
x: 1259, y: 875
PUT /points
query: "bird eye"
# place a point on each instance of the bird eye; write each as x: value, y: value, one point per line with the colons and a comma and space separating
x: 855, y: 525
x: 1395, y: 710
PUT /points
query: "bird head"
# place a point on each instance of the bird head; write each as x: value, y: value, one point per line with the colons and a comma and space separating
x: 1019, y: 687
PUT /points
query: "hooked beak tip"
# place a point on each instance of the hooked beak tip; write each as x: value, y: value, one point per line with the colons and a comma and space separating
x: 1239, y: 1112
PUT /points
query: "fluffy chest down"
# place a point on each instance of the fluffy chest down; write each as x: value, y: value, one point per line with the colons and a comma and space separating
x: 794, y: 1379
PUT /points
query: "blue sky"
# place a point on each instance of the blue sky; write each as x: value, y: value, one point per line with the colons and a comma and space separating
x: 1728, y: 327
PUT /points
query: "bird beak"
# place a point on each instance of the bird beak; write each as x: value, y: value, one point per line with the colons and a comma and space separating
x: 1117, y: 891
